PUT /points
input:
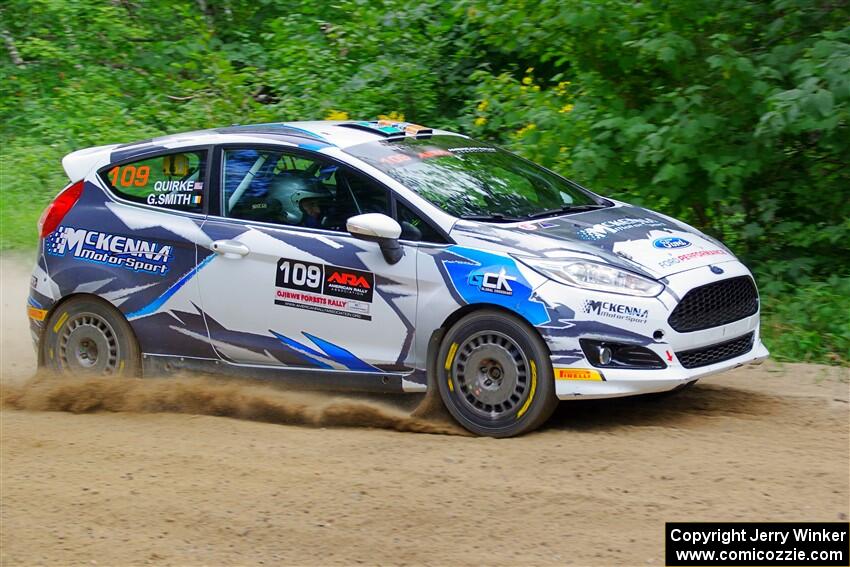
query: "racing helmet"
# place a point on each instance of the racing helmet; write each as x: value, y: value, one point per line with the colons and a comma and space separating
x: 289, y: 190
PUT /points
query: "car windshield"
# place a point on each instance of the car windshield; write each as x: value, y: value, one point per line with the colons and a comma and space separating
x: 471, y: 179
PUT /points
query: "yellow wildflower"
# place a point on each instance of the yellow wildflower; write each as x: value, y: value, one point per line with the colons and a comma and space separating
x: 526, y: 80
x: 526, y: 129
x: 336, y: 115
x: 392, y: 116
x: 567, y: 108
x: 483, y: 105
x: 480, y: 121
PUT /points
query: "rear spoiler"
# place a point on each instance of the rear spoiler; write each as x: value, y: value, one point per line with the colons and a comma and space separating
x: 78, y: 164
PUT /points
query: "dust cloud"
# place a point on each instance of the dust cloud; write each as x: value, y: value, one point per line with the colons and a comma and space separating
x: 25, y: 389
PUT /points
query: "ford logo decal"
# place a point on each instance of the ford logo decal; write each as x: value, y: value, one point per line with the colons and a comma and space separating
x: 671, y: 242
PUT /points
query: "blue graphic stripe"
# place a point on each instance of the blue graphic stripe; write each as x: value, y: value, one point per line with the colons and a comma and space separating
x: 34, y: 302
x: 299, y: 348
x: 329, y: 351
x: 342, y: 356
x: 312, y: 147
x: 154, y: 305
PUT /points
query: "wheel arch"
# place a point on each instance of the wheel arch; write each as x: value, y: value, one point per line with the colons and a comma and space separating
x: 65, y: 299
x: 458, y: 314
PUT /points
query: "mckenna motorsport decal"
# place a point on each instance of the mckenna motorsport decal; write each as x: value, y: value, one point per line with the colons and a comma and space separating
x: 603, y: 229
x: 492, y: 282
x: 616, y: 311
x: 670, y: 242
x: 113, y: 250
x: 175, y: 193
x: 327, y: 289
x: 673, y: 260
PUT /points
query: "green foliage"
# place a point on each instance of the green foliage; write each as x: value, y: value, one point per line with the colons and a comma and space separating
x: 808, y: 322
x: 730, y: 114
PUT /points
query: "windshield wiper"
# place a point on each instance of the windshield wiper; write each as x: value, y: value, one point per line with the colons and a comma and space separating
x: 565, y: 209
x: 490, y: 217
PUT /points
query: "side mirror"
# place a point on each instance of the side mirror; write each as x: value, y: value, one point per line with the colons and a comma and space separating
x: 377, y: 227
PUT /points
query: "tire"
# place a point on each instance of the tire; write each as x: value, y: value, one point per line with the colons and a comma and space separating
x: 86, y: 335
x: 495, y: 375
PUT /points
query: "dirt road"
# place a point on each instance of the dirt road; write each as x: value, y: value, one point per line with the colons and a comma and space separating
x: 593, y: 488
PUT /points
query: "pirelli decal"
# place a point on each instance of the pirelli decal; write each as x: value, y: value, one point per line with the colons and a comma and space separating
x: 328, y: 289
x: 578, y: 374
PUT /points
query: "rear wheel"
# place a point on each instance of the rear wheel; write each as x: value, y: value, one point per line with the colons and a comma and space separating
x: 86, y: 335
x: 495, y: 375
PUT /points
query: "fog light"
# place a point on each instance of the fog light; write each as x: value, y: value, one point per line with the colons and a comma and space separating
x: 605, y: 355
x: 610, y: 354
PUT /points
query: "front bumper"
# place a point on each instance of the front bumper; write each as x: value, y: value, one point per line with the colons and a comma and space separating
x: 627, y: 382
x: 643, y: 322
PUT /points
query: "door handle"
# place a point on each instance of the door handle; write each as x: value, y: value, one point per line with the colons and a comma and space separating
x: 229, y: 248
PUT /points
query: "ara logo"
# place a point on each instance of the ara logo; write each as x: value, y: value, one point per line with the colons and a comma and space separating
x: 493, y: 282
x: 347, y: 278
x: 112, y: 249
x: 670, y: 242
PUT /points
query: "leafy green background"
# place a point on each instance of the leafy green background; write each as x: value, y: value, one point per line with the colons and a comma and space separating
x: 732, y: 115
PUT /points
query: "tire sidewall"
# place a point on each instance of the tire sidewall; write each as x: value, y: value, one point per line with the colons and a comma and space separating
x: 129, y: 362
x: 543, y: 400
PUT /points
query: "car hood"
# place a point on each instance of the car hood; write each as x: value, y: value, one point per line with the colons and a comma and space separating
x: 624, y: 235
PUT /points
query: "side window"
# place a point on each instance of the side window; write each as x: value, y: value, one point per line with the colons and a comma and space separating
x: 173, y: 181
x: 414, y: 228
x: 276, y: 187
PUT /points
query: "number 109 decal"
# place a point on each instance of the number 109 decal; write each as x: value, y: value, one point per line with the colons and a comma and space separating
x: 328, y: 289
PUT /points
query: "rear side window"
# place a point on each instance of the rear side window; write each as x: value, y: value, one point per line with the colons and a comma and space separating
x: 172, y: 181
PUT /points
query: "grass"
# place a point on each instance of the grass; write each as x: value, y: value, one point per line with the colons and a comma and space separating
x: 30, y: 177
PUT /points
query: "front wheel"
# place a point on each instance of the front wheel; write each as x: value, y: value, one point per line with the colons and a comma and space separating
x: 495, y: 375
x: 86, y: 335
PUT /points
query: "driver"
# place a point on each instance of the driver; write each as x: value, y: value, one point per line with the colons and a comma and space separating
x: 301, y: 199
x: 312, y: 209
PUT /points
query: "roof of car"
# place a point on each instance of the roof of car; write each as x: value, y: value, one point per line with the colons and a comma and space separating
x: 339, y: 133
x: 312, y: 135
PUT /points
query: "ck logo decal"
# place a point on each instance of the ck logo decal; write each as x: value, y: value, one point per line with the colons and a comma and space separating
x: 493, y: 282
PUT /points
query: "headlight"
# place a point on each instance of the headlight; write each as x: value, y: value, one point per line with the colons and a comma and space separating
x: 595, y: 276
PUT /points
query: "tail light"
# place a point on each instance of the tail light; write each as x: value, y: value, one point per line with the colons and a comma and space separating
x: 56, y: 211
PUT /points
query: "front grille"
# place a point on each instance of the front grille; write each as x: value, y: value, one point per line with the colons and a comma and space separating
x: 716, y: 353
x: 715, y: 304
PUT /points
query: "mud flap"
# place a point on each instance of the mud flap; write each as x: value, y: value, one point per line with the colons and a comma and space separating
x: 431, y: 407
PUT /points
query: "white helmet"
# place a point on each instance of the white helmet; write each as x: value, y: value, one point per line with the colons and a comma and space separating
x: 290, y: 189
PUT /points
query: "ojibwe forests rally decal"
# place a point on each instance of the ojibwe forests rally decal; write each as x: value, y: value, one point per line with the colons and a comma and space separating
x: 328, y: 289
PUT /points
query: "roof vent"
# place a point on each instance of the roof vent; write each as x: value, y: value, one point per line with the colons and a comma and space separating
x: 391, y: 130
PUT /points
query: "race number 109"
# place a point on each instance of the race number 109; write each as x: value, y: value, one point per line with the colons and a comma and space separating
x: 302, y: 276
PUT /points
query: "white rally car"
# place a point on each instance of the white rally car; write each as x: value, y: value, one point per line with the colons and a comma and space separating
x: 379, y: 256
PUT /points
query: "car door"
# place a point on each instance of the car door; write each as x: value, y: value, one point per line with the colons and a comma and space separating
x: 284, y: 285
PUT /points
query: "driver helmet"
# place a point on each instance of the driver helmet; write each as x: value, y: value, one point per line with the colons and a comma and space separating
x: 290, y: 190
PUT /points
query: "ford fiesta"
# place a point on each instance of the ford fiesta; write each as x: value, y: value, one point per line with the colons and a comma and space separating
x: 379, y: 256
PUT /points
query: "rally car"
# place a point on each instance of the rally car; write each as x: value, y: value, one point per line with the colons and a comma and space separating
x: 383, y: 256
